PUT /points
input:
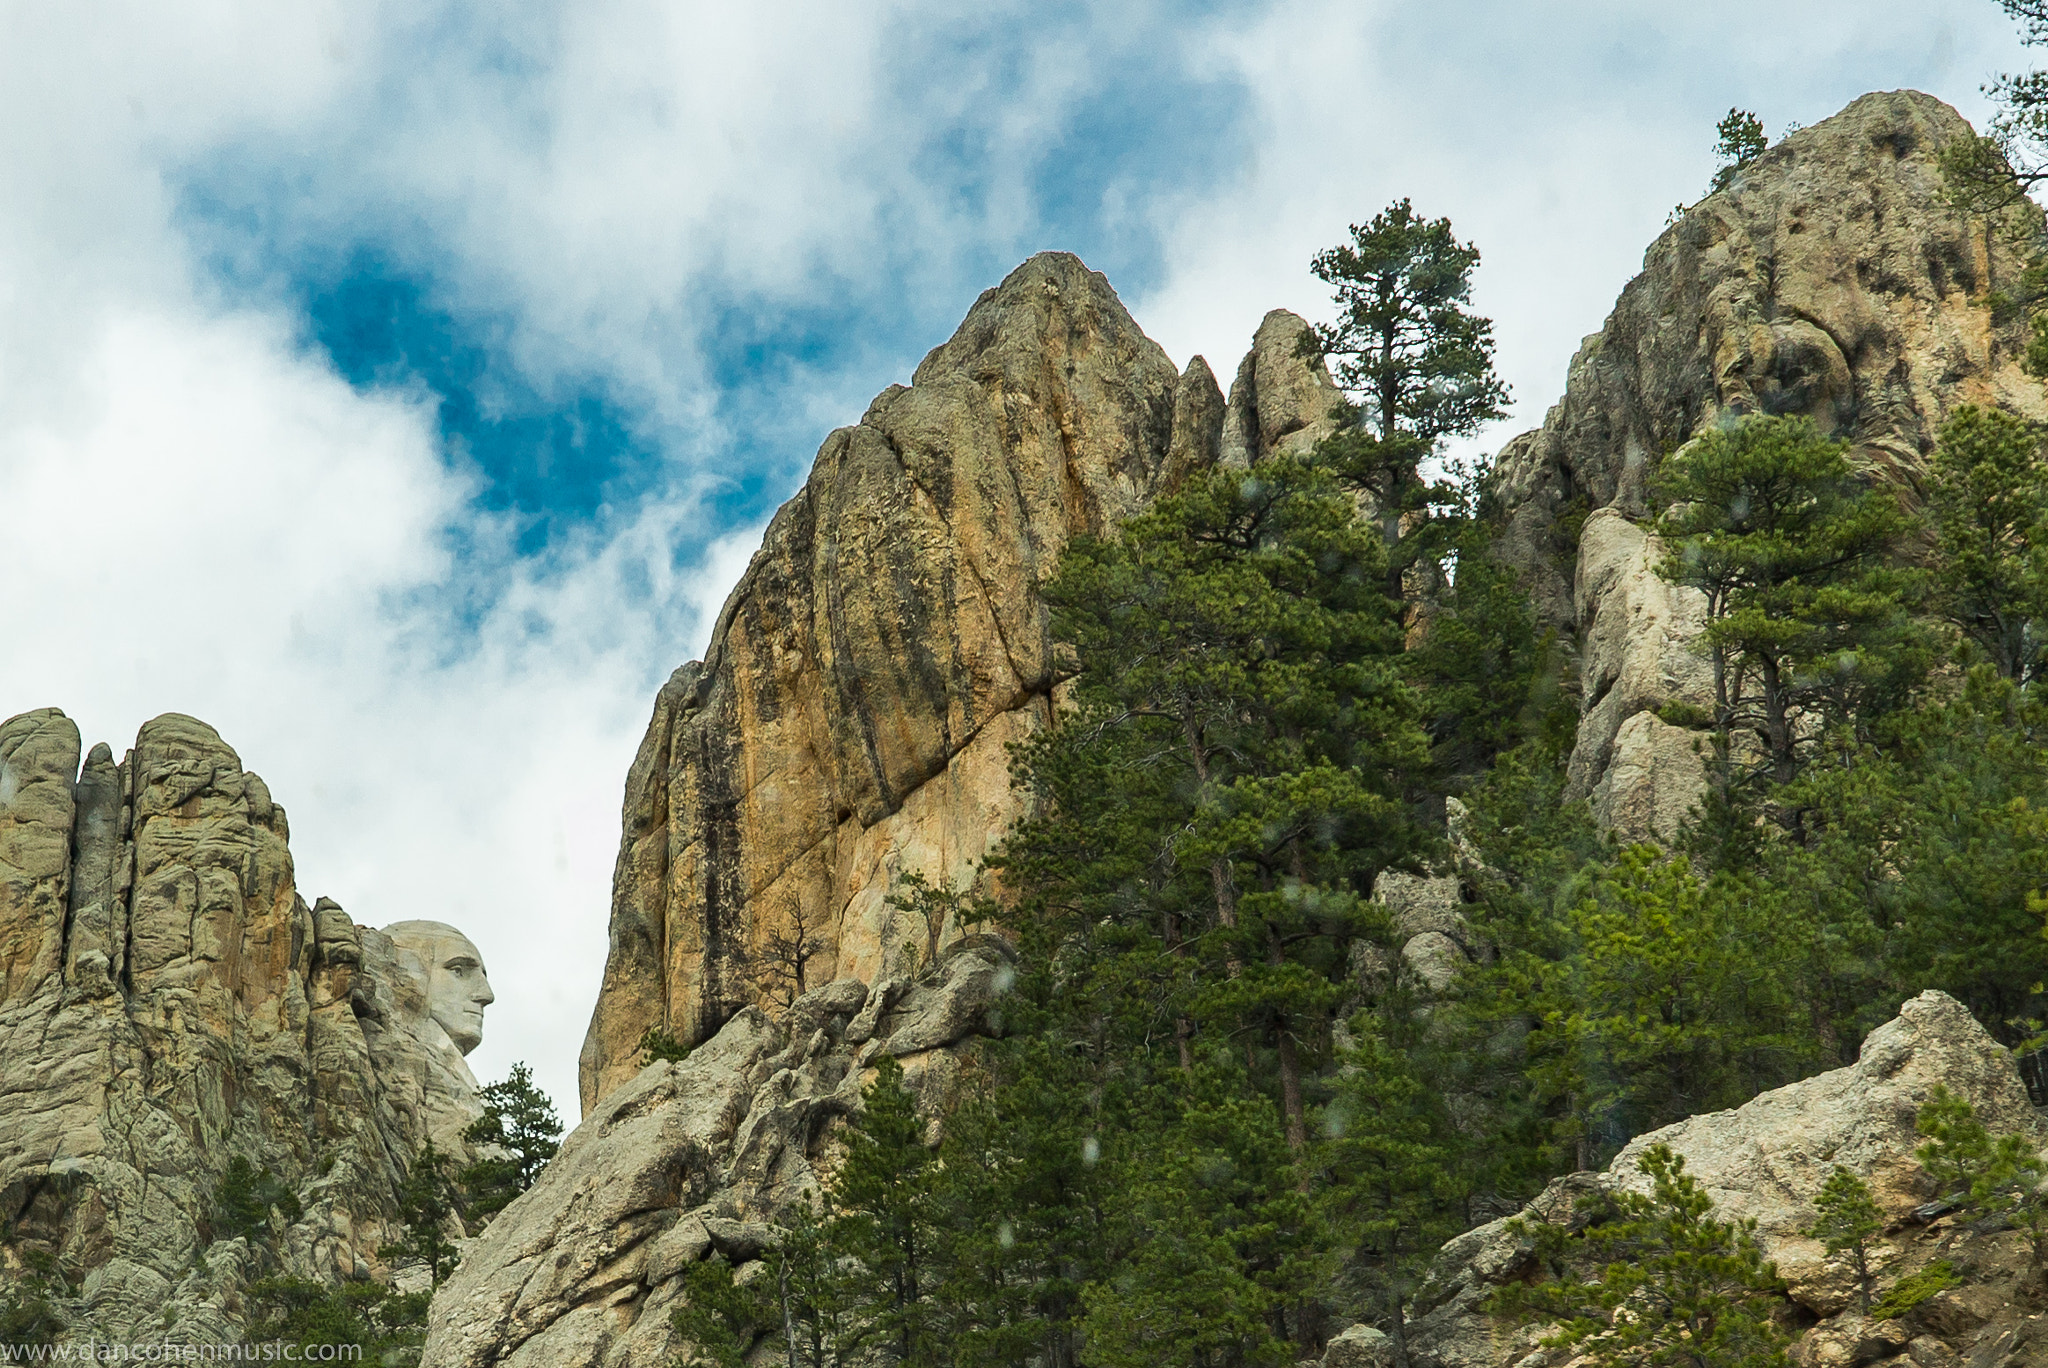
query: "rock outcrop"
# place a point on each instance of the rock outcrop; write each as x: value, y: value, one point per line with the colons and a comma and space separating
x: 168, y: 1002
x: 691, y: 1158
x: 849, y: 723
x: 1828, y: 279
x: 1766, y: 1161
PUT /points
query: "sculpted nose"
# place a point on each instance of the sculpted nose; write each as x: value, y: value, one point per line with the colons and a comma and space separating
x: 484, y: 996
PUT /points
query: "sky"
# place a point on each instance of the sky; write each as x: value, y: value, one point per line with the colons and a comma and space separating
x: 400, y: 388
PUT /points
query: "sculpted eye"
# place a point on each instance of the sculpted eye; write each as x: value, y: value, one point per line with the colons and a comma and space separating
x: 460, y: 966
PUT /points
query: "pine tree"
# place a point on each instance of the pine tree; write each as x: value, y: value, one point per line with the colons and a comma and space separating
x: 1988, y: 499
x: 426, y: 1206
x: 1021, y: 1205
x: 1393, y: 1193
x: 1993, y: 172
x: 1676, y: 1287
x: 244, y: 1199
x: 1806, y: 620
x: 882, y: 1216
x: 303, y: 1318
x: 520, y: 1123
x: 1232, y: 773
x: 1846, y: 1215
x: 1420, y: 365
x: 1669, y: 998
x: 1963, y: 827
x: 720, y: 1319
x: 1742, y: 141
x: 811, y: 1292
x: 29, y: 1320
x: 1215, y: 1241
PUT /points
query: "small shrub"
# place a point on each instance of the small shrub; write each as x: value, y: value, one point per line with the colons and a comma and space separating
x: 1909, y: 1291
x: 245, y: 1197
x: 657, y: 1044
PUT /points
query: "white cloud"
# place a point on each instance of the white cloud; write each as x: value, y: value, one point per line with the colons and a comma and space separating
x: 1557, y: 137
x: 198, y: 515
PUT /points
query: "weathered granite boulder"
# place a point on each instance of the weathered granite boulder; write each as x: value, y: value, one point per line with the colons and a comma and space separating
x: 1766, y: 1161
x: 686, y: 1159
x: 168, y: 1002
x: 848, y: 724
x: 1830, y: 279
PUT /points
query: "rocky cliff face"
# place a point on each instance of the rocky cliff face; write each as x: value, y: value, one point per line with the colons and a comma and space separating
x: 168, y: 1002
x: 1829, y: 279
x: 848, y: 725
x: 686, y: 1160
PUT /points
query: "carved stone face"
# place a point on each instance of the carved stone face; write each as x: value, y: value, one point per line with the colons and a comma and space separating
x: 452, y: 973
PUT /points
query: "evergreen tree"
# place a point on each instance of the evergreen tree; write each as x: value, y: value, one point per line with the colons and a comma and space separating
x: 1667, y: 1001
x: 1676, y: 1287
x: 1742, y: 141
x: 1968, y: 1166
x: 244, y: 1199
x: 1966, y: 835
x: 1215, y: 1242
x: 519, y: 1123
x: 1846, y: 1217
x: 1988, y: 499
x: 1489, y: 679
x: 1995, y: 171
x: 304, y: 1317
x: 882, y: 1216
x: 1393, y: 1194
x: 1021, y: 1206
x: 426, y: 1206
x: 1806, y: 620
x: 811, y: 1292
x: 719, y: 1319
x: 29, y: 1321
x: 1231, y: 776
x: 1420, y: 365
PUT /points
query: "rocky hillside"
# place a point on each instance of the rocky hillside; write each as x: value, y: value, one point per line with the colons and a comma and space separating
x: 168, y: 1003
x: 848, y: 724
x: 1766, y: 1162
x: 1829, y: 279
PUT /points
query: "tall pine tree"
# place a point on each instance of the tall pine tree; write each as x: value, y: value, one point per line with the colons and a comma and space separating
x: 1419, y: 364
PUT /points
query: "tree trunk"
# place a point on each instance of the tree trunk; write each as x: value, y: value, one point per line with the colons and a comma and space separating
x: 1777, y: 722
x: 1290, y: 1066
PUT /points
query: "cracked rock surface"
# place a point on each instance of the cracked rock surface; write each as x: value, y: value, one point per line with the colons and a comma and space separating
x: 687, y: 1159
x: 848, y: 724
x: 1829, y: 279
x: 168, y: 1002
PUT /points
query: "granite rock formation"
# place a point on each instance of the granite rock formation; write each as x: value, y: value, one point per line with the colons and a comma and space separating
x: 1829, y: 279
x: 168, y: 1002
x: 688, y: 1159
x: 1767, y: 1160
x: 848, y: 724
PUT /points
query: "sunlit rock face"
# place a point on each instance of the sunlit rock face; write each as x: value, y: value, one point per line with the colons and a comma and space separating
x: 850, y: 722
x: 169, y: 1002
x: 1830, y: 279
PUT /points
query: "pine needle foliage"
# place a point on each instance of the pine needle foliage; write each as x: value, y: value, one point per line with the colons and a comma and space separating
x: 1807, y: 620
x: 427, y: 1206
x: 1674, y: 1286
x: 1418, y: 362
x: 1988, y: 501
x: 520, y: 1133
x: 1846, y: 1217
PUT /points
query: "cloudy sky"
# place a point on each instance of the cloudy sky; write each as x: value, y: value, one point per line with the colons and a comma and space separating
x: 401, y: 387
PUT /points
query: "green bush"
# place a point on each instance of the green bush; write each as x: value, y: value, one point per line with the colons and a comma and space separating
x: 1909, y: 1291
